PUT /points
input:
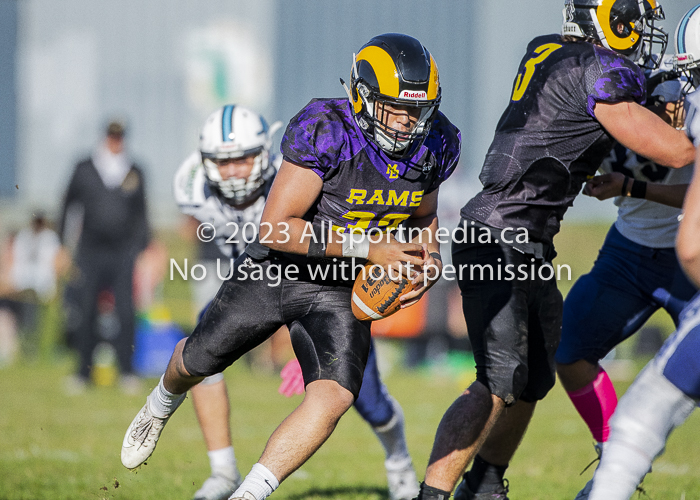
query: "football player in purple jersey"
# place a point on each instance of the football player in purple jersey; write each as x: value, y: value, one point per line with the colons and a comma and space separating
x: 353, y: 170
x: 225, y: 184
x: 574, y: 95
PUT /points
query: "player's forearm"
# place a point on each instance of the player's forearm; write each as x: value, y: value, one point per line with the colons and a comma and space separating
x: 640, y: 130
x: 670, y: 147
x: 688, y: 248
x: 687, y: 241
x: 672, y: 195
x: 294, y: 235
x: 428, y: 227
x: 615, y: 184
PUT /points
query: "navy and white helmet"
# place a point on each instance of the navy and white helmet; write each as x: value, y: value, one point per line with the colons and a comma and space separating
x: 687, y: 58
x: 625, y: 26
x: 232, y: 132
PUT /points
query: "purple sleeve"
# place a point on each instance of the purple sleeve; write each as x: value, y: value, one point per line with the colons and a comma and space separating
x: 297, y: 148
x: 620, y: 80
x: 451, y: 143
x: 314, y: 138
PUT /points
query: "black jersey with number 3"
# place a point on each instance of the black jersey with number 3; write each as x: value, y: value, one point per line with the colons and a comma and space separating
x: 548, y: 140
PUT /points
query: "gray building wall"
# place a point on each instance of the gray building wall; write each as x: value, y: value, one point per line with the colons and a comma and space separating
x: 8, y: 101
x: 164, y: 64
x: 161, y: 65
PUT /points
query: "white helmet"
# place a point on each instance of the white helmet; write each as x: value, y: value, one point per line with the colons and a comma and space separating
x: 235, y: 132
x: 687, y: 58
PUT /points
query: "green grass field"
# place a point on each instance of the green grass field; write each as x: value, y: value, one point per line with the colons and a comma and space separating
x: 60, y: 447
x: 53, y: 446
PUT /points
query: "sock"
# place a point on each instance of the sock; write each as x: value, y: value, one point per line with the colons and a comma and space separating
x: 162, y: 402
x: 430, y: 493
x: 485, y: 477
x: 596, y: 403
x: 223, y: 463
x: 259, y: 482
x: 393, y: 439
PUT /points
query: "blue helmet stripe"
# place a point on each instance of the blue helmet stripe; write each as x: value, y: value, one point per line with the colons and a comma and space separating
x: 226, y: 123
x: 680, y: 40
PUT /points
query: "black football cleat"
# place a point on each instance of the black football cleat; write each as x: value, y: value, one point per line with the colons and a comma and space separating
x: 464, y: 493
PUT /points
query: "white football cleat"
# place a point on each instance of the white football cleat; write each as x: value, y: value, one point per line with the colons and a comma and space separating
x: 218, y: 488
x: 141, y: 438
x: 403, y: 484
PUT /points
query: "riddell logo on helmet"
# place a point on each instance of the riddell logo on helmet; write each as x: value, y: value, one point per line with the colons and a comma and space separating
x: 411, y: 94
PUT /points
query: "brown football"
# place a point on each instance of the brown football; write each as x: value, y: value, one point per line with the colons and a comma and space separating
x: 375, y: 296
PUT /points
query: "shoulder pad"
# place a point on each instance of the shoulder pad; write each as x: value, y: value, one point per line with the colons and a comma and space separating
x: 189, y: 182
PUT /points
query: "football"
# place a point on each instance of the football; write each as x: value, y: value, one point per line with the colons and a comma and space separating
x: 375, y: 296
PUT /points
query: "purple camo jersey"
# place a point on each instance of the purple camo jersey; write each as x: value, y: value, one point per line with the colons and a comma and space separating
x: 621, y: 80
x: 363, y: 188
x: 548, y: 141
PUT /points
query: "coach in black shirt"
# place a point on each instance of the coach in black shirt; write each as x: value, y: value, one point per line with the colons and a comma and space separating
x: 109, y: 190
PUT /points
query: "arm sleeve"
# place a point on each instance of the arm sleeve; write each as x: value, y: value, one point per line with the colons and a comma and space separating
x: 451, y: 144
x: 70, y: 197
x: 314, y: 138
x: 142, y: 229
x: 190, y: 186
x: 297, y: 147
x: 617, y: 84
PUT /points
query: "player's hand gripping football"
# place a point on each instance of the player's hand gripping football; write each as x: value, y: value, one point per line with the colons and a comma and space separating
x: 395, y: 257
x: 605, y: 186
x: 427, y: 277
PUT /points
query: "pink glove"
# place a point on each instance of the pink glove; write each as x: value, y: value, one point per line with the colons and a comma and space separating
x: 292, y: 379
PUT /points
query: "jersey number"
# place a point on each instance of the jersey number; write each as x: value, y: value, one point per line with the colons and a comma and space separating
x: 361, y: 220
x: 523, y: 80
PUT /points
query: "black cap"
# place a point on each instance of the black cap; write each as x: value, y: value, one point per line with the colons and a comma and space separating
x: 116, y: 129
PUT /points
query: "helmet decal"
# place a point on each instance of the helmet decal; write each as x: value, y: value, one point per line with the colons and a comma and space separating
x: 615, y: 41
x: 569, y: 11
x: 384, y: 69
x: 681, y: 30
x: 624, y: 26
x: 434, y: 80
x: 226, y: 125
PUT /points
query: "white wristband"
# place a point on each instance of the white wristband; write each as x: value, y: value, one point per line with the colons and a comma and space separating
x: 356, y: 247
